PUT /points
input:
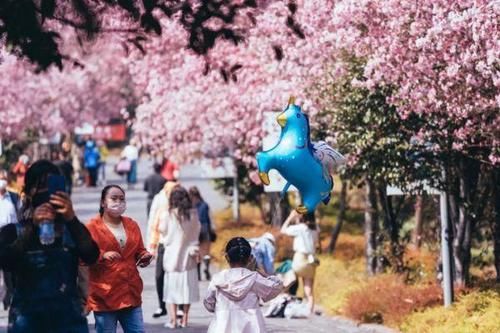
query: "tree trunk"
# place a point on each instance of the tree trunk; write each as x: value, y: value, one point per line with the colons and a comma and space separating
x: 465, y: 222
x: 340, y: 218
x: 371, y: 228
x: 278, y: 209
x: 496, y: 222
x: 416, y: 236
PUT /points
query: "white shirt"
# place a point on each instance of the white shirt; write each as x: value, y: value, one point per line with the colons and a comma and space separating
x: 130, y: 152
x: 7, y: 210
x: 304, y: 238
x: 119, y: 232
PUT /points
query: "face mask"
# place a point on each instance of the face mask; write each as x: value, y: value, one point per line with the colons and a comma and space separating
x: 115, y: 209
x: 3, y: 184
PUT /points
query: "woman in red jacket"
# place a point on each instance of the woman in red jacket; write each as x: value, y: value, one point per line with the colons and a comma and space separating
x: 115, y: 286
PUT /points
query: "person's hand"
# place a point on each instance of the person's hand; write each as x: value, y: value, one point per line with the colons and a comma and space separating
x: 62, y: 204
x: 145, y: 259
x: 111, y: 255
x: 44, y: 212
x: 294, y: 215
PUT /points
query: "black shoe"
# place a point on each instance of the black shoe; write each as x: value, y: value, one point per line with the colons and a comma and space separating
x: 160, y: 312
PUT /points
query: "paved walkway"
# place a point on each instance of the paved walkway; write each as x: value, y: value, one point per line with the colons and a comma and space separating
x: 86, y: 202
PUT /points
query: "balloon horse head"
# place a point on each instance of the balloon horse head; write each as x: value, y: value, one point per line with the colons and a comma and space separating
x: 293, y: 157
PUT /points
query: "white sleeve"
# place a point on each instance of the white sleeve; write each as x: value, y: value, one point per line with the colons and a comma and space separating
x: 151, y: 220
x: 210, y: 299
x: 293, y: 230
x: 268, y: 288
x: 163, y: 225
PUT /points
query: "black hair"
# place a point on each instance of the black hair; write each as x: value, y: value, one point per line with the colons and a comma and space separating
x: 157, y: 167
x: 180, y: 200
x: 310, y: 220
x: 238, y: 251
x: 34, y: 180
x: 104, y: 192
x: 37, y: 175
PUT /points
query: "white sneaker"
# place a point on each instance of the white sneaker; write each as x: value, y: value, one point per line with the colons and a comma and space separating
x: 171, y: 325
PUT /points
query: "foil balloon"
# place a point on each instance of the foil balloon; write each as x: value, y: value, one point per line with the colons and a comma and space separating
x: 293, y: 156
x: 330, y: 158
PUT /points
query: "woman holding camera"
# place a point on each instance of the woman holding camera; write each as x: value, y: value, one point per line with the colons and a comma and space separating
x: 43, y: 252
x: 115, y: 285
x: 305, y: 240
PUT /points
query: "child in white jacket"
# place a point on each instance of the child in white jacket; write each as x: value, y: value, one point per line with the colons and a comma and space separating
x: 233, y: 294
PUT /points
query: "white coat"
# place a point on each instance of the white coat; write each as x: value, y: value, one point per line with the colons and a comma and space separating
x: 233, y: 295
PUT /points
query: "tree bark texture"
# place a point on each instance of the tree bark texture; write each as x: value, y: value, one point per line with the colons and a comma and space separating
x: 371, y: 228
x: 496, y: 220
x: 340, y: 218
x: 278, y: 209
x: 416, y: 236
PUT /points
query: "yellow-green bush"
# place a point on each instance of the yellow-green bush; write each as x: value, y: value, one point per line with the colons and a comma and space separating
x: 476, y: 312
x: 335, y: 280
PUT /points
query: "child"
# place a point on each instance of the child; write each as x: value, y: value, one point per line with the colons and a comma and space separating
x: 234, y: 293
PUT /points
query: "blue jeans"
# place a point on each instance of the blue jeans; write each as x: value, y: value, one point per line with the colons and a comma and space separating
x: 130, y: 319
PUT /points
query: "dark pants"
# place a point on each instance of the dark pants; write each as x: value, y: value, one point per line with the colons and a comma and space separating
x: 160, y: 275
x: 9, y: 289
x: 92, y: 176
x: 148, y: 206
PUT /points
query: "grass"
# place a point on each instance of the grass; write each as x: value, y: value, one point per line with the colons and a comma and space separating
x: 477, y: 312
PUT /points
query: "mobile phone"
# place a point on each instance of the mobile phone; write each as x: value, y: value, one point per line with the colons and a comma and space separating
x: 56, y: 183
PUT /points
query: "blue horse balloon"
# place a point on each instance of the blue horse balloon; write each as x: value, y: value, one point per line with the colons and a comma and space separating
x: 293, y: 157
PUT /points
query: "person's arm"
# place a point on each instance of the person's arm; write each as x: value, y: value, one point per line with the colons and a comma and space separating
x: 268, y: 287
x: 210, y: 299
x: 291, y: 218
x: 87, y: 248
x: 142, y: 254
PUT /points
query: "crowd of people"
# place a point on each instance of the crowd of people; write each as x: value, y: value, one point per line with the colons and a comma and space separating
x: 43, y: 280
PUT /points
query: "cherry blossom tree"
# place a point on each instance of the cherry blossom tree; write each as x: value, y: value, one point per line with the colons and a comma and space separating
x: 214, y: 105
x: 59, y: 100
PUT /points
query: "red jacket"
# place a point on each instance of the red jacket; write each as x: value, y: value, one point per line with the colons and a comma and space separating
x: 116, y: 284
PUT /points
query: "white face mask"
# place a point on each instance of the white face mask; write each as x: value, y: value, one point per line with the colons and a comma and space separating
x: 3, y: 184
x: 115, y: 209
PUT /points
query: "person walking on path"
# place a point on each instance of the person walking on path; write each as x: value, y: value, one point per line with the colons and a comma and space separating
x: 10, y: 204
x: 169, y: 170
x: 207, y: 233
x: 233, y: 294
x: 19, y: 170
x: 180, y: 228
x: 153, y: 185
x: 91, y: 159
x: 305, y: 240
x: 104, y: 152
x: 131, y: 154
x: 155, y: 243
x: 115, y: 285
x: 46, y: 296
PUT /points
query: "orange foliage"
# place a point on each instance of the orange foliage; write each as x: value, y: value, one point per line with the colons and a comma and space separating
x: 387, y: 299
